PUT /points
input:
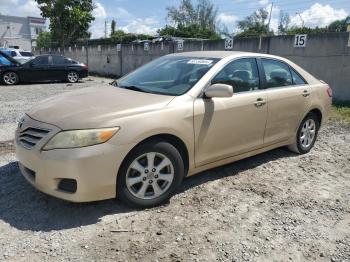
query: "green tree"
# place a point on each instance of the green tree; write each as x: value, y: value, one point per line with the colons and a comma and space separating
x: 69, y: 19
x: 254, y: 24
x: 306, y: 30
x: 113, y: 26
x: 120, y: 36
x: 190, y: 31
x: 43, y: 40
x: 339, y: 25
x: 188, y: 17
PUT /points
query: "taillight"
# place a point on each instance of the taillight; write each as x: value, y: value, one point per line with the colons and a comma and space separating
x: 329, y: 92
x: 85, y: 66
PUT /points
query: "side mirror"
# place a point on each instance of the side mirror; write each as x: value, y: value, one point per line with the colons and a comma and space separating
x: 219, y: 90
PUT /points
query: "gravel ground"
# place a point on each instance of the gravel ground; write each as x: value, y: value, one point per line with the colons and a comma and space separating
x: 276, y: 206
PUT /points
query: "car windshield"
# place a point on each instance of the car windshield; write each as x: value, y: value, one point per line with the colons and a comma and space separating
x: 24, y: 53
x: 4, y: 61
x: 168, y: 75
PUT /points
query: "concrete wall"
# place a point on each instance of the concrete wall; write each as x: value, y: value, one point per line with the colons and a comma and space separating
x: 326, y: 56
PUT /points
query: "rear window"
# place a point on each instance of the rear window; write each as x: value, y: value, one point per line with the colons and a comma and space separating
x: 23, y: 53
x: 70, y: 61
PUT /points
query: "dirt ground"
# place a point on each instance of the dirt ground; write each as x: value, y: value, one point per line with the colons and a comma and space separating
x: 276, y: 206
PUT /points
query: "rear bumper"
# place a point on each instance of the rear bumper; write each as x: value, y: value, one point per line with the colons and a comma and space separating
x: 94, y: 169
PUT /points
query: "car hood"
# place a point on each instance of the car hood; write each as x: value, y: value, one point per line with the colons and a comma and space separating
x: 95, y: 107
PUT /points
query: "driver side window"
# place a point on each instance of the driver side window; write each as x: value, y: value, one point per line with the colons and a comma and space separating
x: 41, y: 60
x: 241, y: 74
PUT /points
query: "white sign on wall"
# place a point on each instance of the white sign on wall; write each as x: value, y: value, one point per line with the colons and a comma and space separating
x: 146, y: 46
x: 300, y: 40
x: 180, y: 45
x: 228, y: 43
x: 119, y: 47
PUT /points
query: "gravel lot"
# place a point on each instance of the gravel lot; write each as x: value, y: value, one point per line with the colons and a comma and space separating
x: 276, y: 206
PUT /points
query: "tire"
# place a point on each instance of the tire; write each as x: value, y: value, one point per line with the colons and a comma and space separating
x: 308, y: 129
x: 139, y: 185
x: 10, y: 78
x: 72, y: 76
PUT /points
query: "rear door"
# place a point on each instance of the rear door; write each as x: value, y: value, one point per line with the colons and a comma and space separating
x: 57, y: 68
x: 288, y: 98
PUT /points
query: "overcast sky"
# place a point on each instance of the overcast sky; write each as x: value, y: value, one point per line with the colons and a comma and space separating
x: 146, y: 16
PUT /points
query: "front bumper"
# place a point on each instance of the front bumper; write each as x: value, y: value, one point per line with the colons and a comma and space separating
x: 84, y: 74
x: 94, y: 169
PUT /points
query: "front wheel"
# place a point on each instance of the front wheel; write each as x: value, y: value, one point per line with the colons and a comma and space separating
x: 150, y: 174
x: 306, y: 135
x: 72, y: 77
x: 10, y: 78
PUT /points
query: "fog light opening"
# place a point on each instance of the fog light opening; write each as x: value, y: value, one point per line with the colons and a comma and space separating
x: 68, y: 185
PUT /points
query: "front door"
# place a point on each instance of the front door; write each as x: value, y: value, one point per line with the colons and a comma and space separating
x: 35, y: 70
x: 226, y: 127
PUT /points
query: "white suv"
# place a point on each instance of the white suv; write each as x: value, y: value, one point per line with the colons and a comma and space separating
x: 21, y: 56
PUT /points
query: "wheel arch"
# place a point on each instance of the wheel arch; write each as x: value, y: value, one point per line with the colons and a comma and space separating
x: 318, y: 113
x: 174, y: 140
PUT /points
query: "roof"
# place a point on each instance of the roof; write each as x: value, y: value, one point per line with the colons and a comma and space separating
x: 212, y: 54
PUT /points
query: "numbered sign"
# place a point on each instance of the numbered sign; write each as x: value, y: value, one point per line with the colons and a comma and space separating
x: 119, y: 47
x: 146, y: 46
x: 228, y: 43
x: 300, y: 40
x: 180, y: 45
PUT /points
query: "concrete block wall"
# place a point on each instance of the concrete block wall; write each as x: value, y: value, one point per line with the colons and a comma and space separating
x: 326, y: 56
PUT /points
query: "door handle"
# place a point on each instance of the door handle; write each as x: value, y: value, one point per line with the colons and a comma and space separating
x: 306, y: 93
x: 259, y: 102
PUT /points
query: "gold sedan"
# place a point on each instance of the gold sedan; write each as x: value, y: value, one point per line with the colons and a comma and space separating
x: 171, y: 118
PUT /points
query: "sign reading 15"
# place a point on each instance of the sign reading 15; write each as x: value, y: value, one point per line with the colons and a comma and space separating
x: 300, y: 40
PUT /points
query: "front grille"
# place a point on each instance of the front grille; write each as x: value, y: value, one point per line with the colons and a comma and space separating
x: 30, y: 136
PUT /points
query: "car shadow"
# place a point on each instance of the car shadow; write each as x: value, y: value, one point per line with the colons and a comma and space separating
x: 25, y: 208
x: 235, y: 168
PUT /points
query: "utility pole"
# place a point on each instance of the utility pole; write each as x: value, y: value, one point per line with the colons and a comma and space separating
x: 268, y: 25
x: 105, y: 28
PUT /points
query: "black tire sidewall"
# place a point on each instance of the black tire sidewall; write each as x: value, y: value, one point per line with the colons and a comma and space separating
x: 301, y: 149
x: 160, y: 147
x: 2, y: 78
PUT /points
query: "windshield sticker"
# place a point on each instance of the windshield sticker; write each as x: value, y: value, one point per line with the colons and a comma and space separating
x: 200, y: 62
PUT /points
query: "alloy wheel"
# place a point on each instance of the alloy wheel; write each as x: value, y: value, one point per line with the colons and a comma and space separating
x: 150, y: 175
x: 72, y: 77
x: 10, y: 78
x: 307, y: 133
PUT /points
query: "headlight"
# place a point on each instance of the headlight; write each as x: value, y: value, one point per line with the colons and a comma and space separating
x: 80, y: 138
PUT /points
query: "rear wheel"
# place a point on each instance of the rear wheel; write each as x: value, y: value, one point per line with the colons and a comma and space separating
x: 72, y: 77
x: 306, y: 135
x: 150, y: 175
x: 10, y: 78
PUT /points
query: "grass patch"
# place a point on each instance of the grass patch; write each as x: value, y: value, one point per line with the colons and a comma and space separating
x: 341, y: 111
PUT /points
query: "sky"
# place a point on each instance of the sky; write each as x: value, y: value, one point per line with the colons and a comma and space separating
x: 146, y: 16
